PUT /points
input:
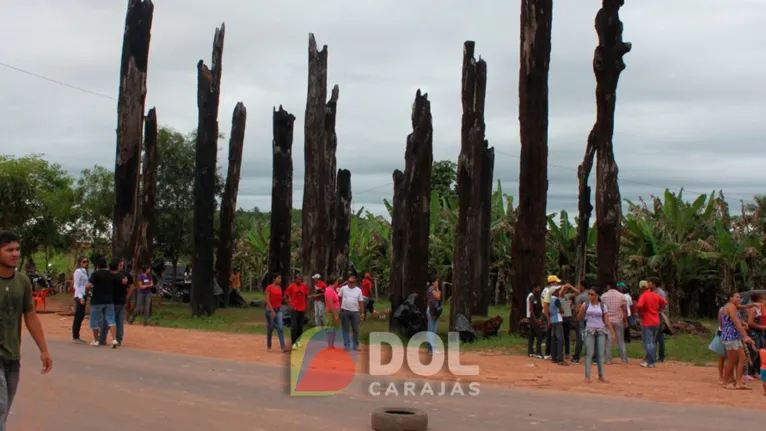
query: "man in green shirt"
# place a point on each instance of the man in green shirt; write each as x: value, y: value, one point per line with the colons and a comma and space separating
x: 15, y: 301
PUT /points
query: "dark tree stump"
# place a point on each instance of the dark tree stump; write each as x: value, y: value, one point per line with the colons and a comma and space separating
x: 469, y: 251
x: 398, y: 223
x: 528, y: 245
x: 229, y: 199
x: 417, y: 197
x: 147, y: 224
x: 486, y: 289
x: 208, y: 95
x: 319, y: 157
x: 342, y: 222
x: 607, y: 66
x: 282, y: 197
x: 130, y: 119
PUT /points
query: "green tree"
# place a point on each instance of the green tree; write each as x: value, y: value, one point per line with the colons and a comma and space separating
x: 94, y: 193
x: 443, y: 178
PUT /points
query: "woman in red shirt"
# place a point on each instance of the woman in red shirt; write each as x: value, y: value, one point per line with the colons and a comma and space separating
x: 296, y: 295
x: 274, y: 313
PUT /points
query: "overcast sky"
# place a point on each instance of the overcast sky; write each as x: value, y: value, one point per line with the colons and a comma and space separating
x: 690, y: 108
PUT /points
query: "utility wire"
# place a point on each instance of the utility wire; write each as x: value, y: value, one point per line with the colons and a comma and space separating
x: 45, y: 78
x: 93, y: 93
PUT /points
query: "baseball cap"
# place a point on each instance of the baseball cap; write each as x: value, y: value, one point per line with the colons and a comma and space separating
x: 553, y: 279
x: 621, y: 284
x: 643, y: 284
x: 316, y: 277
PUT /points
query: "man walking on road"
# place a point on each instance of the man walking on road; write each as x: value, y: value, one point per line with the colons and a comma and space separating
x: 15, y: 302
x: 352, y: 302
x: 296, y: 295
x: 616, y: 308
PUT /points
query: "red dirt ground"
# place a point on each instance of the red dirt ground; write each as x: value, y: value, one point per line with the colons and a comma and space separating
x: 669, y: 382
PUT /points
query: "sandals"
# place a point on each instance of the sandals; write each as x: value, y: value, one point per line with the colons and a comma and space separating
x: 737, y: 387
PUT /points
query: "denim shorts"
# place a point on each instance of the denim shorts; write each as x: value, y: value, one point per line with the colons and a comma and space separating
x: 732, y: 345
x: 99, y: 310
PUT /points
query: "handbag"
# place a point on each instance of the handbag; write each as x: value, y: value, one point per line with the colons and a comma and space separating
x: 436, y: 310
x: 716, y: 346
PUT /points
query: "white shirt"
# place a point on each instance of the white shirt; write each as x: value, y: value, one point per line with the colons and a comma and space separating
x: 80, y: 280
x: 628, y: 302
x: 528, y: 309
x: 350, y: 298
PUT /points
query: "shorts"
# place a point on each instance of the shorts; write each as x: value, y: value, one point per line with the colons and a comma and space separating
x: 101, y: 310
x: 763, y: 375
x: 732, y: 345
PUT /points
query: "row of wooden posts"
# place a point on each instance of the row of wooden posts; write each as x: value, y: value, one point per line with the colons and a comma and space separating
x: 326, y: 222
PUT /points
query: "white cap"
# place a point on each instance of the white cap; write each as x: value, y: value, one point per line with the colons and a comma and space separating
x: 316, y: 277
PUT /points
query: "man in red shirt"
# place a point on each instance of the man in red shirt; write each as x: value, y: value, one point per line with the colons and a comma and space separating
x: 649, y: 306
x: 369, y: 301
x: 296, y: 295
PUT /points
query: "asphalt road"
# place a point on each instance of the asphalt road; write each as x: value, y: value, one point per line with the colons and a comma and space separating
x: 123, y: 389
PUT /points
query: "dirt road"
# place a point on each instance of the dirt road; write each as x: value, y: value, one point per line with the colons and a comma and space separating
x: 126, y: 389
x: 669, y: 382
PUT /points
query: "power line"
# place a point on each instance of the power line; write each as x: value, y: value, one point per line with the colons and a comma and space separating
x: 64, y: 84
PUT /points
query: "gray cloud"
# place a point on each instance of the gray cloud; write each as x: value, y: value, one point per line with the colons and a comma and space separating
x: 689, y: 110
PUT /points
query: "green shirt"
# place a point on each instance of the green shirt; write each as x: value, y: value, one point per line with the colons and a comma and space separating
x: 15, y: 300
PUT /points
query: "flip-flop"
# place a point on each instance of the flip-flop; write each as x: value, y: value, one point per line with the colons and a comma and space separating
x: 743, y: 388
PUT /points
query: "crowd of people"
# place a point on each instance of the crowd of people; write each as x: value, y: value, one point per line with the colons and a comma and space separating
x: 600, y: 317
x: 342, y: 304
x: 115, y: 298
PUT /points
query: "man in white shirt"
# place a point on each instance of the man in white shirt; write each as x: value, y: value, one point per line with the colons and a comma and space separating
x: 628, y: 302
x: 80, y: 280
x: 352, y: 301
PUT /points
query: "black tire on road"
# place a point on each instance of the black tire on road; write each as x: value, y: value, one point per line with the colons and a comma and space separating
x: 399, y: 419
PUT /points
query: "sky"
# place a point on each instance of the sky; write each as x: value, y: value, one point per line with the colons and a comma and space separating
x: 690, y: 104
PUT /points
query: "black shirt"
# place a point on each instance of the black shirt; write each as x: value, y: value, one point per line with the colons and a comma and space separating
x: 121, y: 290
x: 103, y: 282
x: 537, y: 306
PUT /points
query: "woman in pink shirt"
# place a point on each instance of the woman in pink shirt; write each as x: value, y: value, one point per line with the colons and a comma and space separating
x: 332, y: 305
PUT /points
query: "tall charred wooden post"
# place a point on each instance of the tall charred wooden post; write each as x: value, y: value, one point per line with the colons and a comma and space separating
x: 528, y: 246
x: 208, y: 95
x: 319, y: 156
x: 147, y: 224
x: 229, y: 199
x: 282, y: 196
x: 607, y: 66
x: 418, y: 160
x: 469, y: 252
x: 332, y: 204
x: 342, y: 222
x: 130, y: 119
x: 398, y: 228
x: 486, y: 291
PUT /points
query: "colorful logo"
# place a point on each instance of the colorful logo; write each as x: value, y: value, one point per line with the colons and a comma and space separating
x: 316, y: 368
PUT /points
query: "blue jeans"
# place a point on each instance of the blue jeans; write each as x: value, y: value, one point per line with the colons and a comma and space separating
x: 350, y: 320
x: 595, y: 342
x: 433, y: 323
x: 275, y: 322
x: 101, y: 311
x: 119, y: 322
x: 649, y: 335
x: 9, y: 382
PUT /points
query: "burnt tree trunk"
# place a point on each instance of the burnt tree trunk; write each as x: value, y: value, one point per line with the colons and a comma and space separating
x: 584, y: 208
x: 208, y: 95
x: 469, y: 252
x: 147, y: 224
x: 607, y: 66
x: 319, y: 158
x: 332, y: 205
x: 417, y: 194
x: 396, y: 288
x: 130, y: 119
x: 486, y: 289
x: 528, y: 245
x: 229, y: 199
x: 342, y: 222
x: 280, y: 239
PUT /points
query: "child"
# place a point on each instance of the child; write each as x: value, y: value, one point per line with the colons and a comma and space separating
x: 763, y: 369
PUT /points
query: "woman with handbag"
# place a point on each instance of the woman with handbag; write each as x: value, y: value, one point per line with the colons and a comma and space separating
x: 433, y: 312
